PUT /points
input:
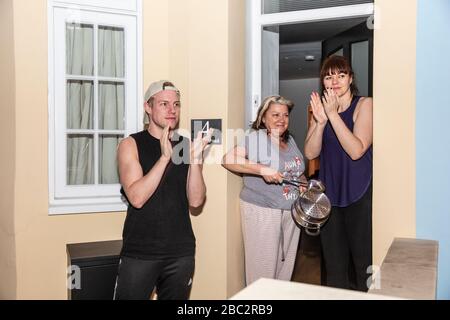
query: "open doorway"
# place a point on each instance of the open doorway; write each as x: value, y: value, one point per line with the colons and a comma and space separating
x: 280, y: 35
x: 292, y: 55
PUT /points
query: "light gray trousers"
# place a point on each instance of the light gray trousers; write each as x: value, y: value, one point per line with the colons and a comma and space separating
x: 270, y: 242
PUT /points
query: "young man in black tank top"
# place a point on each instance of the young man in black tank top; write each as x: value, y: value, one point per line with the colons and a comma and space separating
x: 158, y: 241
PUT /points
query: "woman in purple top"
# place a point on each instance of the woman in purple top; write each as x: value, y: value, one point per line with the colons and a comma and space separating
x: 340, y: 133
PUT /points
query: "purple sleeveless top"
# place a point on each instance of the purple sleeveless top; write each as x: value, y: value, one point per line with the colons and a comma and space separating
x: 345, y: 180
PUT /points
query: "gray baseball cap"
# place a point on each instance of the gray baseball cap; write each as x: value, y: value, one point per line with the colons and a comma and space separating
x: 159, y: 86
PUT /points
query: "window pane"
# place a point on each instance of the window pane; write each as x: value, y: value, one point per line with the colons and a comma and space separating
x: 360, y: 65
x: 111, y: 52
x: 339, y: 52
x: 80, y: 159
x: 80, y: 104
x: 79, y: 49
x: 275, y: 6
x: 108, y: 169
x: 111, y: 106
x: 270, y: 58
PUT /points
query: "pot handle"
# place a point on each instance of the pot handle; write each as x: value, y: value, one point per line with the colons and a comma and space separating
x: 316, y: 184
x: 315, y: 233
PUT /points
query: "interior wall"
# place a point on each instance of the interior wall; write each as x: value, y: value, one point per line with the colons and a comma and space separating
x: 200, y: 65
x: 299, y: 91
x: 177, y: 46
x: 7, y: 145
x: 41, y: 239
x: 432, y: 135
x: 155, y: 42
x: 394, y: 164
x: 235, y: 120
x: 201, y: 69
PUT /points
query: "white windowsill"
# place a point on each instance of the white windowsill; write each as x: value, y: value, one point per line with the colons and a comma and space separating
x: 60, y: 207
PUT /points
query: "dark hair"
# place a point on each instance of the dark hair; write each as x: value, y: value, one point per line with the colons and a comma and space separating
x: 265, y: 105
x: 338, y: 64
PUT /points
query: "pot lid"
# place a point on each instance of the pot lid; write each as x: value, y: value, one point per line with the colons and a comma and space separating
x: 315, y: 204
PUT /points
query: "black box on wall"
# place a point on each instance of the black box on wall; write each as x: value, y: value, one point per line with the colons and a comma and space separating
x: 204, y: 125
x: 93, y: 269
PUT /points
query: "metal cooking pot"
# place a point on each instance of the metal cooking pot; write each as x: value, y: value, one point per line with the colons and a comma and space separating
x: 312, y: 208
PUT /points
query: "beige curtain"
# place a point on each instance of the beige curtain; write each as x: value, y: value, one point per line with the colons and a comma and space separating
x: 111, y: 100
x: 80, y: 102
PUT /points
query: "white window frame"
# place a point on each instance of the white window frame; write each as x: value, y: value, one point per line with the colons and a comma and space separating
x: 65, y: 199
x: 256, y: 21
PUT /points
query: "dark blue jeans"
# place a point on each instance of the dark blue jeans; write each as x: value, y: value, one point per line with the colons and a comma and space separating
x: 172, y: 278
x: 347, y: 244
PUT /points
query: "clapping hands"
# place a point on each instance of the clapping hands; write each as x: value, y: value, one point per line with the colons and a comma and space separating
x: 199, y: 145
x: 323, y: 107
x: 166, y: 145
x: 318, y: 109
x: 330, y: 102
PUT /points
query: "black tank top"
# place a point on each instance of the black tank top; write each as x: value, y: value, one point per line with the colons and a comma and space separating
x: 162, y: 228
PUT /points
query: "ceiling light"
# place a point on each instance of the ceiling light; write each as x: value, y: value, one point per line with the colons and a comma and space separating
x: 310, y: 58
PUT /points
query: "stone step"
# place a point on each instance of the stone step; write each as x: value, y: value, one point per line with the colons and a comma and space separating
x: 409, y: 270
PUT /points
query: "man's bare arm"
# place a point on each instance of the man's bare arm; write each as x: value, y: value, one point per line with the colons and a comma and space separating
x: 138, y: 187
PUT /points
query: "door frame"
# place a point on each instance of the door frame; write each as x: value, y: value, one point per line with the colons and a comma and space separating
x: 256, y: 21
